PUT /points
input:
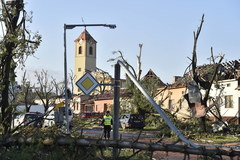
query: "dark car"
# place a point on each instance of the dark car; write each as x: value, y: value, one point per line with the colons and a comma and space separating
x: 130, y: 120
x: 34, y: 119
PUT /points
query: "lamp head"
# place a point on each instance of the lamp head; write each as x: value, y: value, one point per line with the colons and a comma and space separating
x: 112, y: 26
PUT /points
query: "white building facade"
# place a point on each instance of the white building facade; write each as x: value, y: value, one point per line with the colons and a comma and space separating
x: 227, y: 95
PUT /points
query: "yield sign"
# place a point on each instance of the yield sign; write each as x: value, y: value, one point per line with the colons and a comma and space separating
x: 87, y: 83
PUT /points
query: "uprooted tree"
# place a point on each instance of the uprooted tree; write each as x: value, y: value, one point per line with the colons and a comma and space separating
x: 17, y: 44
x: 47, y: 146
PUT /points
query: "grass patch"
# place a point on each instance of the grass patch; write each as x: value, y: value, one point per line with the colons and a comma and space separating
x: 218, y: 138
x: 79, y: 122
x: 107, y: 153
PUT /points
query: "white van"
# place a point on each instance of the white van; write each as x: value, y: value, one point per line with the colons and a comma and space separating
x: 49, y: 118
x: 53, y: 116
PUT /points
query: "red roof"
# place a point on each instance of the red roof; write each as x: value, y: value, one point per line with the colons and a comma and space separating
x: 85, y: 36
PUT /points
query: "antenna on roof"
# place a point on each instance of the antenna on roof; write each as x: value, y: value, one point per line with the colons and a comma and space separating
x: 83, y: 22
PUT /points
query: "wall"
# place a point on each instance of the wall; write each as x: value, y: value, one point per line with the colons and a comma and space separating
x: 102, y: 105
x: 175, y: 95
x: 230, y: 87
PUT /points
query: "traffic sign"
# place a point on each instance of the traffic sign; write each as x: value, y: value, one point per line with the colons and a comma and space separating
x: 87, y: 83
x: 59, y: 105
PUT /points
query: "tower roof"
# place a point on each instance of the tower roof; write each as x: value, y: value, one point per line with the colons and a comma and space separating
x: 85, y: 35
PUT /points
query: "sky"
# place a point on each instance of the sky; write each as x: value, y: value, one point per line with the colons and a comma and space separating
x: 164, y: 27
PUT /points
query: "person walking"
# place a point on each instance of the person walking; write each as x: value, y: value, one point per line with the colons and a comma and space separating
x: 107, y: 122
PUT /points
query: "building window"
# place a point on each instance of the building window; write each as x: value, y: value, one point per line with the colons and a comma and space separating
x: 96, y: 108
x: 89, y: 108
x: 79, y: 69
x: 80, y: 50
x: 170, y: 104
x: 105, y: 107
x: 74, y: 107
x: 90, y: 50
x: 180, y: 103
x: 228, y: 101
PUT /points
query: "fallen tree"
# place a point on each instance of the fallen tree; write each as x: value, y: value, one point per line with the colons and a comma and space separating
x: 209, y: 151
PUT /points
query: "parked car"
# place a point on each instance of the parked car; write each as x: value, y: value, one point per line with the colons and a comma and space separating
x: 54, y: 116
x: 130, y: 120
x: 34, y: 119
x: 92, y: 115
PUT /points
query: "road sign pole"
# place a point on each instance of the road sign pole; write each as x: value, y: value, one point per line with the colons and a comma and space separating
x: 71, y: 26
x: 65, y: 81
x: 116, y: 107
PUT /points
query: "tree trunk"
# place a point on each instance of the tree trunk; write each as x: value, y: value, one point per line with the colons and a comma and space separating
x: 14, y: 47
x: 211, y: 151
x: 5, y: 108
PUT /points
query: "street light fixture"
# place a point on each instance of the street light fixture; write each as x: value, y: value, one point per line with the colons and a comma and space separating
x: 71, y: 26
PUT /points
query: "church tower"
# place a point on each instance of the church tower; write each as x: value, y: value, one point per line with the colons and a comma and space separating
x: 85, y: 56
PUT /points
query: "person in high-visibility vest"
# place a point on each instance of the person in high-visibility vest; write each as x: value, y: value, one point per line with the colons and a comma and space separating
x: 107, y: 122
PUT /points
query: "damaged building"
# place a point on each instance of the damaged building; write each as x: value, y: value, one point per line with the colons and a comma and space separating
x: 224, y: 96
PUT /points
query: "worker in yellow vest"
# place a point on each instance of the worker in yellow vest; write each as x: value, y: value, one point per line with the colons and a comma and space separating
x: 107, y: 122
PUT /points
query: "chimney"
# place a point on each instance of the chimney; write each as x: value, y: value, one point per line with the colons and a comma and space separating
x: 176, y: 78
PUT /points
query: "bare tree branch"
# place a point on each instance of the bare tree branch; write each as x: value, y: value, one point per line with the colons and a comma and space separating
x: 139, y: 68
x: 194, y: 55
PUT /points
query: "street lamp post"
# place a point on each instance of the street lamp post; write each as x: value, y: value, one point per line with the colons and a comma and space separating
x: 71, y: 26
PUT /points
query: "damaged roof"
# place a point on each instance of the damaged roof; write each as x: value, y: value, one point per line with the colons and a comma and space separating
x: 226, y: 70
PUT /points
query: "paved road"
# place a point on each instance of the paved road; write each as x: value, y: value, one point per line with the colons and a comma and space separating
x: 98, y: 132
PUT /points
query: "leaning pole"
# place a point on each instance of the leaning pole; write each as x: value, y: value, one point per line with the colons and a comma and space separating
x: 157, y: 108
